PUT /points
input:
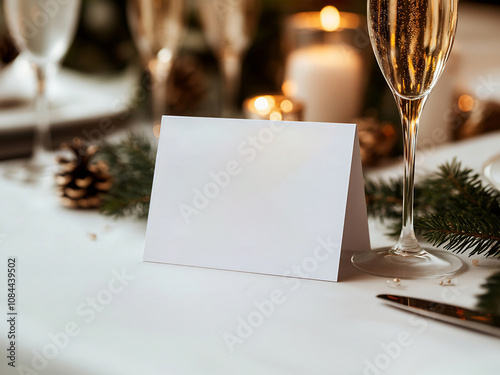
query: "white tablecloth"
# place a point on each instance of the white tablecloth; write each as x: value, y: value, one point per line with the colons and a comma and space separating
x: 127, y: 317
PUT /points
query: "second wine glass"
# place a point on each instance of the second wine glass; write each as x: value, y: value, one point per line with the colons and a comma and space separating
x: 42, y: 31
x: 157, y: 27
x: 229, y: 27
x: 412, y: 40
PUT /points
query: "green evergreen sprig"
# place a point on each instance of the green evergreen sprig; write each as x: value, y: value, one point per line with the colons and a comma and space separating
x: 384, y: 198
x: 131, y: 163
x: 458, y: 189
x: 452, y: 208
x: 461, y: 232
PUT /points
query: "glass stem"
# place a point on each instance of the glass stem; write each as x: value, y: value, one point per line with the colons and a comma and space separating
x: 409, y: 111
x: 231, y: 69
x: 160, y: 72
x: 42, y: 142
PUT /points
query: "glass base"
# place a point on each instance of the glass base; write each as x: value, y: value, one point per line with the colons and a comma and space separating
x: 40, y: 169
x: 425, y: 264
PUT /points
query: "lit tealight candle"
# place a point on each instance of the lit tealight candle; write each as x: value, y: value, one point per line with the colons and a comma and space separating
x: 272, y: 107
x: 306, y: 28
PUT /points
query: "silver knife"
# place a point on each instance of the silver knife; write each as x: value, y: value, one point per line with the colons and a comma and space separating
x: 460, y: 316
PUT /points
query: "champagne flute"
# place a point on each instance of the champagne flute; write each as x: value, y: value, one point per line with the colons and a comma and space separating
x: 229, y: 26
x: 42, y: 30
x: 157, y: 27
x: 412, y: 40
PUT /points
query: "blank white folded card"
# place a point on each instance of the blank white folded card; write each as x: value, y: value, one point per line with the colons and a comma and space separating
x: 270, y: 197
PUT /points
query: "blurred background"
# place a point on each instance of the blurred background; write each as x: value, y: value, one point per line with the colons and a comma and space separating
x: 289, y: 62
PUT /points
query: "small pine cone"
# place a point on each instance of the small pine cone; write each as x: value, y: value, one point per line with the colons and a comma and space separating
x: 82, y: 182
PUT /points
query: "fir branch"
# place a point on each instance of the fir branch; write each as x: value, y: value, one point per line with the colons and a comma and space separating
x: 461, y: 232
x: 384, y: 198
x: 131, y: 163
x: 489, y: 302
x: 452, y: 208
x: 455, y: 188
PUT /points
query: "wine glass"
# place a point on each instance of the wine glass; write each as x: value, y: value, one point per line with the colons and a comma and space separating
x: 157, y: 27
x: 412, y: 40
x: 42, y: 31
x: 229, y: 26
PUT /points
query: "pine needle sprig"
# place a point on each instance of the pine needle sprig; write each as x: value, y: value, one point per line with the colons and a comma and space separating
x: 131, y: 162
x: 452, y: 208
x: 459, y: 232
x: 384, y: 198
x: 456, y: 188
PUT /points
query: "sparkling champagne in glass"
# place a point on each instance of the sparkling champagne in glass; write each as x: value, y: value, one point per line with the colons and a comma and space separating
x: 412, y: 40
x: 42, y: 30
x: 157, y: 27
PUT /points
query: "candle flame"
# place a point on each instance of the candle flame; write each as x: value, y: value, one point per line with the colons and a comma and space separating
x: 330, y: 18
x: 466, y: 103
x: 261, y: 103
x: 264, y: 104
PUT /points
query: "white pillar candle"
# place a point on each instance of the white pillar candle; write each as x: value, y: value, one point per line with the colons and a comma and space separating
x: 328, y: 79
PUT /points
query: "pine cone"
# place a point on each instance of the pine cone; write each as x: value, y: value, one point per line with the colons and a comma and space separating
x: 81, y: 182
